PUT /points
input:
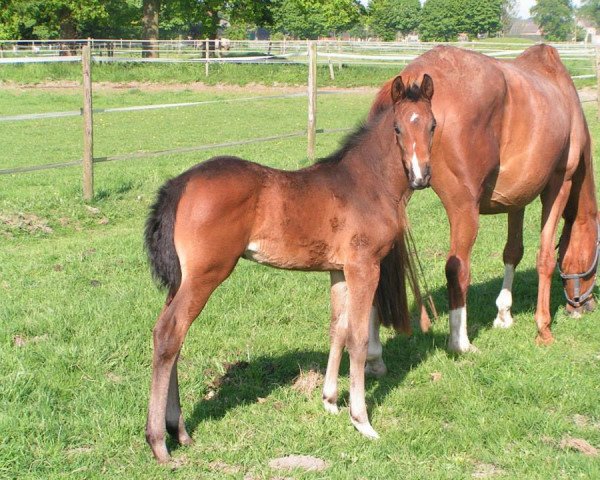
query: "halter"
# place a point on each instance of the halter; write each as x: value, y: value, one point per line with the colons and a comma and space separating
x: 579, y: 299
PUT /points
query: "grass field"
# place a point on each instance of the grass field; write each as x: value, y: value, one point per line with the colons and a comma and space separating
x: 77, y: 306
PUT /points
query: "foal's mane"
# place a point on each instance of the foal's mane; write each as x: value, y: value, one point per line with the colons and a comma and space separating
x: 352, y: 140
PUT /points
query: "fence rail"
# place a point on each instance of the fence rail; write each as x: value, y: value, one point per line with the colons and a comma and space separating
x: 257, y: 51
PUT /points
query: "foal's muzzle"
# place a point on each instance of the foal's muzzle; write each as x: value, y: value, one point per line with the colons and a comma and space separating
x: 421, y: 182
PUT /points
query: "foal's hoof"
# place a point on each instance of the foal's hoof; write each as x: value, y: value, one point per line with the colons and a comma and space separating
x: 375, y: 368
x: 365, y: 428
x: 330, y: 407
x: 185, y: 439
x: 544, y: 339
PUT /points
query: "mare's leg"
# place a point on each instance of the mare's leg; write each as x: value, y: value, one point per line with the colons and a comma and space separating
x: 337, y: 334
x: 513, y: 253
x: 375, y: 366
x: 169, y: 333
x: 361, y: 280
x: 463, y: 231
x: 554, y: 199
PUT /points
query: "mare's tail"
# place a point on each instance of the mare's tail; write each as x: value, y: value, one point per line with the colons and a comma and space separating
x: 160, y: 245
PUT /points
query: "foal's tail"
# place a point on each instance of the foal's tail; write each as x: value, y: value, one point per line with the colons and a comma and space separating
x: 390, y: 298
x: 159, y: 242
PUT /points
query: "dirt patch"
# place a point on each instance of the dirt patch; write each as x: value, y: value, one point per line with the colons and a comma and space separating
x: 308, y: 381
x: 26, y: 222
x: 21, y: 341
x: 435, y: 376
x: 223, y: 467
x: 250, y: 88
x: 580, y: 445
x: 304, y: 462
x: 486, y: 470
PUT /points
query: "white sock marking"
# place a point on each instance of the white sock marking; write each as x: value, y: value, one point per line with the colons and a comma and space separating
x: 459, y: 340
x: 504, y: 300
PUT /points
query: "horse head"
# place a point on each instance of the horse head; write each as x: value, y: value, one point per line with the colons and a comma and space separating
x: 414, y: 124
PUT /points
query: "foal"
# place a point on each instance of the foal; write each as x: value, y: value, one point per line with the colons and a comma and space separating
x: 342, y: 215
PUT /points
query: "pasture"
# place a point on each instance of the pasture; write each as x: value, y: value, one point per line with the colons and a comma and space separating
x: 77, y: 306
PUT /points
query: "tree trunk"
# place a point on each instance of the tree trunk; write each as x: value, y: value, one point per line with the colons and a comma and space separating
x: 150, y: 28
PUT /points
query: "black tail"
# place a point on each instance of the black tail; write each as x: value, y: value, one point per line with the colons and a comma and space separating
x: 159, y: 242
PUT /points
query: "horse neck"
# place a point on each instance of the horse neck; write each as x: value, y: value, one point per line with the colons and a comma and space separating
x: 377, y: 160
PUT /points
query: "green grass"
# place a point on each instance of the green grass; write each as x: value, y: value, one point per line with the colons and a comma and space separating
x: 244, y: 74
x: 78, y: 305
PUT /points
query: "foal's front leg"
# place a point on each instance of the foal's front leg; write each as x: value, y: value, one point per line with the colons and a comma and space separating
x: 361, y: 280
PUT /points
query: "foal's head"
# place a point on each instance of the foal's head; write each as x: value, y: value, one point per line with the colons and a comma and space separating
x: 414, y: 124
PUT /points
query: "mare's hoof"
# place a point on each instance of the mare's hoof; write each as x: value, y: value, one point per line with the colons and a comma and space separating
x: 365, y: 428
x: 460, y: 349
x: 503, y: 322
x: 375, y: 368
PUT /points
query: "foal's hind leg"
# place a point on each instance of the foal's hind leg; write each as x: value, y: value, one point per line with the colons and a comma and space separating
x: 169, y: 333
x: 513, y: 253
x: 375, y: 366
x: 337, y: 334
x: 174, y: 417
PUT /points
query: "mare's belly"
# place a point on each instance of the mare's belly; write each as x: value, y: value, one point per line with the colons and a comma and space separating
x: 513, y: 187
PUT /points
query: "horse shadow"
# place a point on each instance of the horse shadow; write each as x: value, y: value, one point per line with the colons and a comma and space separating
x: 245, y: 382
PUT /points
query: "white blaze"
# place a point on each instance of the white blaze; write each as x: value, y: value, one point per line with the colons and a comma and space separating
x: 415, y: 164
x: 414, y: 117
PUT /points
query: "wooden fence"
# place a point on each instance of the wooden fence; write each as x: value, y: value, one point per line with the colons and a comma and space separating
x: 330, y: 50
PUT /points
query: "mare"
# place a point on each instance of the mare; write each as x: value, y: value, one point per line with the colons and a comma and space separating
x: 342, y: 215
x: 508, y: 132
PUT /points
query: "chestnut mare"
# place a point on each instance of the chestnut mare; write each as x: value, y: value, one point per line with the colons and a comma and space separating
x: 342, y: 215
x: 508, y: 131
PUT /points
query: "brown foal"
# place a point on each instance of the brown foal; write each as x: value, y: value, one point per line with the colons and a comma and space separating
x: 508, y: 132
x: 342, y: 215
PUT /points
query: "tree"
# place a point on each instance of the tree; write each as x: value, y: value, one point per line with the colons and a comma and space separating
x: 40, y: 19
x: 509, y: 13
x: 388, y: 17
x: 442, y: 20
x: 555, y: 18
x: 483, y: 17
x: 150, y: 10
x: 590, y: 9
x: 314, y: 18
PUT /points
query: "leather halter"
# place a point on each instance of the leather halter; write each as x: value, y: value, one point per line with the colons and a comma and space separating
x: 580, y: 298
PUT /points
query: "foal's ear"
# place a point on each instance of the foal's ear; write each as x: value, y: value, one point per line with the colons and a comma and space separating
x: 398, y: 90
x: 427, y: 87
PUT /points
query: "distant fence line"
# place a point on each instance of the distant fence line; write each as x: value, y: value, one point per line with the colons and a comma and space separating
x: 257, y: 51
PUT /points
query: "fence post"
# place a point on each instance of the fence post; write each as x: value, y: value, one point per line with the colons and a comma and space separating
x: 597, y: 82
x: 88, y: 133
x: 312, y: 98
x: 207, y: 56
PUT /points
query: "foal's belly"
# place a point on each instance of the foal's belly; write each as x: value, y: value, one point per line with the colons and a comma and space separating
x: 314, y: 255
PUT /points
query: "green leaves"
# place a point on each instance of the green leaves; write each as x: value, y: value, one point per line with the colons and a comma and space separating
x: 388, y: 17
x: 555, y: 18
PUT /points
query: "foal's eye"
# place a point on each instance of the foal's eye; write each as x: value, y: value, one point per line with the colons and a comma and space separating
x: 397, y: 129
x: 433, y: 125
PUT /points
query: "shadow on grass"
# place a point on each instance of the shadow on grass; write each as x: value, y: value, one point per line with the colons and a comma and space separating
x: 245, y: 382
